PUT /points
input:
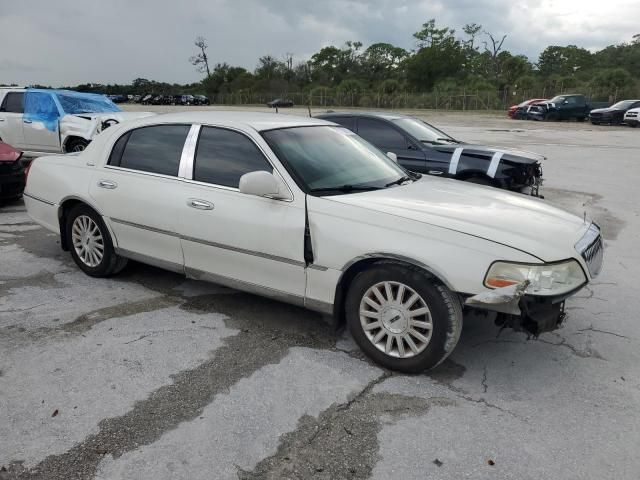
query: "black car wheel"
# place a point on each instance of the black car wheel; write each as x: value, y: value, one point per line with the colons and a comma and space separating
x: 403, y: 318
x: 76, y: 145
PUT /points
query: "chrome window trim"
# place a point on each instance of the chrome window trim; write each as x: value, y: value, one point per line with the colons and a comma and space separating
x: 142, y: 172
x: 185, y: 170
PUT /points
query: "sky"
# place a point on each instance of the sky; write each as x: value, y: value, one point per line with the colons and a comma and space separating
x: 68, y: 42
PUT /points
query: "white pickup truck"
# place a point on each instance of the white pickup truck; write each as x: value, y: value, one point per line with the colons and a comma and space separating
x: 39, y: 121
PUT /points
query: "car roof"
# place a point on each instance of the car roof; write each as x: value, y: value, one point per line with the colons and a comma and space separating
x: 259, y: 121
x: 382, y: 115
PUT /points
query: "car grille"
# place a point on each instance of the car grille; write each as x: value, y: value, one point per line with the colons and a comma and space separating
x: 631, y: 115
x: 591, y: 248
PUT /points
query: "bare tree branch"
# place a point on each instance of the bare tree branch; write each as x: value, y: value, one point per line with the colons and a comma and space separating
x: 201, y: 61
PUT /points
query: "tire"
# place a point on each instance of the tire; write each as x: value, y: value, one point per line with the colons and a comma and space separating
x: 94, y: 254
x: 76, y: 145
x: 389, y: 344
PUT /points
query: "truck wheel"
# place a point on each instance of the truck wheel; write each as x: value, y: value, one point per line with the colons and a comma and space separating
x: 90, y: 243
x: 403, y: 318
x: 76, y: 145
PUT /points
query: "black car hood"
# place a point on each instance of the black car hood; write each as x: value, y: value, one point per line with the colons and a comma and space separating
x: 509, y: 154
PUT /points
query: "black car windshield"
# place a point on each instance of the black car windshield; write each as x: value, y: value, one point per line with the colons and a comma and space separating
x: 333, y: 160
x: 623, y: 105
x: 558, y: 99
x: 423, y: 131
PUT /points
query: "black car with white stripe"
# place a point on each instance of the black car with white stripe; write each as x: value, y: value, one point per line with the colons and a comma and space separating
x: 421, y: 147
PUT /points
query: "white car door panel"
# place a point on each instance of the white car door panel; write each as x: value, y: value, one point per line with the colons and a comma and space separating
x: 253, y: 240
x: 139, y: 192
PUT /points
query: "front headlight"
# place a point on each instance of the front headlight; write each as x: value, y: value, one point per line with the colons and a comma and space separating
x: 545, y: 279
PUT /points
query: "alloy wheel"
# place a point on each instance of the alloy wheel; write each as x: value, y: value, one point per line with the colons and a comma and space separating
x: 87, y: 240
x: 396, y: 319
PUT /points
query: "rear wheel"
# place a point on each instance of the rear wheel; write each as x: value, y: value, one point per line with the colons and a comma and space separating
x: 90, y: 243
x: 402, y: 318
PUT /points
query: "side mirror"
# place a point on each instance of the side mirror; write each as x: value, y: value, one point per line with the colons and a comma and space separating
x: 392, y: 156
x: 262, y: 184
x: 566, y: 102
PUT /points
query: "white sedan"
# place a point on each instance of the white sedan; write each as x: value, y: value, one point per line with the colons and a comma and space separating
x: 632, y: 117
x: 307, y: 212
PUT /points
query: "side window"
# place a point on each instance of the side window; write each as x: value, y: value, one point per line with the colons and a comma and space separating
x: 348, y: 122
x: 155, y: 149
x: 13, y: 103
x: 223, y: 156
x: 380, y: 134
x: 41, y: 105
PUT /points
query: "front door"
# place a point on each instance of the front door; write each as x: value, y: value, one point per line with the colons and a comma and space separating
x: 236, y: 239
x: 139, y: 191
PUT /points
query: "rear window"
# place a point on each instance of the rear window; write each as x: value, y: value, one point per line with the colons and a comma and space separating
x: 13, y: 103
x: 155, y: 149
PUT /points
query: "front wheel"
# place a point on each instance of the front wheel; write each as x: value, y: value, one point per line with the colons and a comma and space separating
x: 402, y: 318
x: 76, y: 145
x: 90, y: 243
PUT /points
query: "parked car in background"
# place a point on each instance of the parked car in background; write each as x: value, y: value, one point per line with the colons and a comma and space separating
x: 613, y: 115
x: 423, y: 148
x: 147, y: 99
x: 280, y: 103
x: 201, y: 100
x: 12, y: 173
x: 156, y: 100
x: 183, y: 100
x: 117, y: 98
x: 307, y: 212
x: 55, y: 121
x: 519, y: 112
x: 632, y: 117
x: 565, y: 107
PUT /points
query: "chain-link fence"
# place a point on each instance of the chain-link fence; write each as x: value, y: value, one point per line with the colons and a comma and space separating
x: 437, y: 100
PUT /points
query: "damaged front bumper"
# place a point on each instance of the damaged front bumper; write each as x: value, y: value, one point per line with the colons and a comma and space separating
x: 533, y: 314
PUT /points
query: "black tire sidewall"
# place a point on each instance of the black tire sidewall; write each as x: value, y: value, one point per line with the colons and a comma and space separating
x: 429, y: 289
x: 109, y: 257
x: 75, y: 142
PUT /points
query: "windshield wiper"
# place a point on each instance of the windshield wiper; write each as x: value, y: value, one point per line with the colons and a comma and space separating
x: 400, y: 181
x: 346, y: 188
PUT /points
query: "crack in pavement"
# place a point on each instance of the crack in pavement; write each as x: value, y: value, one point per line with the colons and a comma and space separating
x: 342, y: 442
x: 591, y: 329
x: 485, y: 387
x: 267, y: 329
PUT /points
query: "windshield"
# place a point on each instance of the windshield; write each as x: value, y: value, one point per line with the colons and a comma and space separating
x: 333, y: 159
x: 73, y: 103
x: 623, y: 104
x: 423, y: 131
x: 558, y: 99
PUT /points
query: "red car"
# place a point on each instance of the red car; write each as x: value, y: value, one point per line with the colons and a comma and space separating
x: 513, y: 110
x: 12, y: 173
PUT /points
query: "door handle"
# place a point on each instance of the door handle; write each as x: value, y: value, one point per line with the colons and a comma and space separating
x: 199, y: 204
x: 435, y: 172
x: 1, y: 119
x: 27, y: 121
x: 107, y: 184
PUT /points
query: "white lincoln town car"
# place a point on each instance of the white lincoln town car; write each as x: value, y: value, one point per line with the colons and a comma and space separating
x: 307, y: 212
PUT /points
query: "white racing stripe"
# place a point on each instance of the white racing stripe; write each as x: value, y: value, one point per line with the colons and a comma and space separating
x: 453, y: 166
x: 493, y: 166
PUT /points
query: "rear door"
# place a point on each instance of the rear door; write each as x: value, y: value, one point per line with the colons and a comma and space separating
x: 11, y: 113
x: 391, y: 139
x: 41, y: 122
x: 138, y: 193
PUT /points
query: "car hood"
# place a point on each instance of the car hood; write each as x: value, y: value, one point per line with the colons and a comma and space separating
x: 510, y: 154
x: 515, y: 220
x: 119, y: 116
x: 606, y: 110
